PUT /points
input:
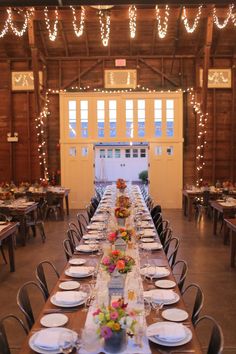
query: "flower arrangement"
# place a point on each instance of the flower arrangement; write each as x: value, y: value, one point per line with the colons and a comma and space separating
x: 115, y: 318
x: 120, y: 183
x: 123, y: 202
x: 121, y: 212
x: 117, y: 260
x: 6, y: 195
x: 125, y: 234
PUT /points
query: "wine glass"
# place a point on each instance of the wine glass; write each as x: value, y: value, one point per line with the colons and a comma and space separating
x: 86, y: 289
x: 151, y: 272
x: 147, y: 307
x: 66, y: 342
x: 90, y: 341
x: 157, y: 306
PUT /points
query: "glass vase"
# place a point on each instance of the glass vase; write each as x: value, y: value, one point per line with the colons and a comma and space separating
x: 116, y: 343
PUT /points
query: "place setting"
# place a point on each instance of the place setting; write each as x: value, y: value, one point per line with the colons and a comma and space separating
x: 163, y: 296
x: 79, y: 271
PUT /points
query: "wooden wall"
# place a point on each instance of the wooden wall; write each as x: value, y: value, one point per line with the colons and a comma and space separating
x: 19, y: 161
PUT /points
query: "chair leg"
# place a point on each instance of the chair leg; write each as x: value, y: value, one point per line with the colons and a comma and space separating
x: 42, y: 232
x: 3, y: 254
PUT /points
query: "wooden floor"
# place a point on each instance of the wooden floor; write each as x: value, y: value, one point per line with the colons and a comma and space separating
x: 207, y: 258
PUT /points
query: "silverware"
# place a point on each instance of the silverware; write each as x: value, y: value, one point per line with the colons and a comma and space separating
x: 182, y: 351
x: 74, y: 309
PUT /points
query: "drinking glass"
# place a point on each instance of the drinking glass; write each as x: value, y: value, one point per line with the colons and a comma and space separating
x: 151, y: 272
x: 86, y: 288
x: 157, y: 306
x: 66, y: 342
x: 147, y: 307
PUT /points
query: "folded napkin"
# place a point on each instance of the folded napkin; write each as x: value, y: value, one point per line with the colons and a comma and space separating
x: 160, y: 295
x: 159, y: 271
x: 151, y: 245
x: 92, y: 236
x: 167, y: 331
x: 69, y: 297
x: 48, y: 339
x: 84, y: 248
x: 80, y: 270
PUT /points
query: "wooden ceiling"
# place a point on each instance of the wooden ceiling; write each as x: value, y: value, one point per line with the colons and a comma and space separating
x: 146, y: 43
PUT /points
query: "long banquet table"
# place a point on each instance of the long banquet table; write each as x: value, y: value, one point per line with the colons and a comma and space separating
x: 7, y: 233
x: 78, y: 317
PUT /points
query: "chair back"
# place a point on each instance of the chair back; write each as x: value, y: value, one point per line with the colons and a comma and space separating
x: 162, y: 225
x: 165, y: 236
x: 4, y: 344
x: 3, y: 217
x: 68, y: 249
x: 216, y: 341
x: 73, y: 226
x: 51, y: 198
x: 182, y: 268
x: 40, y: 275
x: 198, y: 301
x: 24, y: 303
x: 74, y: 238
x: 155, y: 210
x: 174, y: 244
x: 205, y: 197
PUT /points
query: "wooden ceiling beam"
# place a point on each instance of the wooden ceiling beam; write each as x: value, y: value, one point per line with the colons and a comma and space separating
x: 157, y: 71
x: 42, y: 39
x: 177, y: 32
x: 64, y: 38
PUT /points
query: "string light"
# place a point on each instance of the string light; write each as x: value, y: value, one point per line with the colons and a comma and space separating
x: 105, y: 20
x: 132, y: 20
x: 216, y: 18
x: 201, y: 137
x: 52, y: 35
x: 79, y: 31
x: 5, y: 27
x: 196, y: 20
x: 233, y: 18
x: 162, y: 30
x: 27, y: 15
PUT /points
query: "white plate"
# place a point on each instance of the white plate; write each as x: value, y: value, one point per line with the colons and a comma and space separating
x: 54, y: 320
x: 85, y: 248
x: 69, y: 285
x: 77, y: 275
x: 165, y: 284
x: 148, y: 239
x: 3, y: 222
x: 152, y: 246
x: 47, y: 333
x: 91, y: 242
x: 158, y: 275
x: 77, y: 261
x: 175, y: 315
x: 54, y: 302
x: 187, y: 338
x: 170, y: 302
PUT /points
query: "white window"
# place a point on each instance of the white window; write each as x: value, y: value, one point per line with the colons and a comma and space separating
x: 142, y: 152
x: 101, y: 117
x: 117, y: 153
x: 135, y: 153
x: 170, y: 118
x: 112, y: 117
x: 129, y: 110
x: 158, y: 117
x: 102, y: 153
x: 72, y: 118
x: 158, y: 150
x: 72, y: 151
x: 127, y: 153
x: 141, y: 118
x: 84, y: 118
x: 109, y: 153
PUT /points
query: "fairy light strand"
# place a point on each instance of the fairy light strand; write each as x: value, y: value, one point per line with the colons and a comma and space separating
x: 104, y: 20
x: 162, y: 29
x: 27, y: 15
x: 226, y: 20
x: 5, y: 27
x: 78, y: 31
x: 196, y: 20
x: 52, y: 34
x: 132, y: 20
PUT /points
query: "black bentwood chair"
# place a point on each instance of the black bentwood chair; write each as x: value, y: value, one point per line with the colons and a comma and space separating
x: 198, y: 299
x: 41, y: 277
x: 216, y: 341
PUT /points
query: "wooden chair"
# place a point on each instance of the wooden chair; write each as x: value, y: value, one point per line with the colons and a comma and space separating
x: 216, y: 341
x: 68, y: 249
x: 53, y: 205
x: 198, y: 300
x: 3, y: 217
x: 40, y: 275
x: 180, y: 270
x: 171, y: 256
x: 75, y: 227
x: 4, y: 343
x: 24, y: 303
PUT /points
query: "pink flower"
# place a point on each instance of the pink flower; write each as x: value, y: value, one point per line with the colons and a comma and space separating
x: 106, y: 260
x: 111, y: 268
x: 106, y: 332
x: 95, y: 313
x: 115, y: 304
x: 114, y: 315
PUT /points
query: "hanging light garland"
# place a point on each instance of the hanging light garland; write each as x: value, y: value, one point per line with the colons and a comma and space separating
x: 226, y: 20
x: 79, y: 31
x: 52, y: 35
x: 132, y: 20
x: 5, y: 28
x: 105, y: 20
x: 201, y: 137
x: 162, y: 30
x: 42, y: 142
x: 233, y: 18
x: 9, y: 22
x: 196, y: 20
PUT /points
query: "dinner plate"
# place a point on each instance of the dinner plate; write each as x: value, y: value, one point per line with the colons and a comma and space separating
x: 54, y: 320
x: 60, y: 304
x: 151, y: 246
x: 186, y: 339
x: 77, y: 261
x: 77, y: 275
x: 147, y: 239
x: 158, y: 275
x: 69, y: 285
x: 91, y: 242
x: 47, y: 332
x: 165, y: 284
x: 169, y: 302
x: 175, y: 315
x: 86, y: 248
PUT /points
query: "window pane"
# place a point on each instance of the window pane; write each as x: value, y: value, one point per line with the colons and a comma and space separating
x: 109, y: 153
x: 158, y: 150
x: 169, y: 104
x: 112, y: 105
x: 158, y: 115
x: 158, y: 104
x: 72, y: 105
x: 84, y: 151
x: 129, y: 104
x: 170, y: 150
x: 158, y: 118
x: 84, y: 105
x: 101, y: 115
x: 102, y: 153
x: 141, y: 115
x: 100, y: 104
x: 72, y: 151
x: 72, y: 116
x: 112, y: 115
x: 127, y: 153
x: 170, y: 114
x: 141, y: 104
x: 135, y: 152
x: 129, y: 115
x: 142, y: 152
x: 84, y: 116
x: 117, y: 153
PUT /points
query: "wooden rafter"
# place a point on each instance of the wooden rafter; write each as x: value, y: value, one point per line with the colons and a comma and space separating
x: 42, y: 39
x: 84, y: 72
x: 86, y: 42
x: 176, y: 37
x: 64, y: 38
x: 154, y: 33
x: 157, y: 71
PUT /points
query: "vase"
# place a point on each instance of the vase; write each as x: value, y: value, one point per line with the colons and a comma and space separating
x: 116, y: 343
x: 121, y: 222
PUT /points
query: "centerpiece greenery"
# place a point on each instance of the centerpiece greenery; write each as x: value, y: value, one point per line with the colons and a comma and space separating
x: 125, y: 234
x: 117, y: 260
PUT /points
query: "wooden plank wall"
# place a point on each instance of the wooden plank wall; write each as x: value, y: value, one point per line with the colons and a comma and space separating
x: 19, y: 161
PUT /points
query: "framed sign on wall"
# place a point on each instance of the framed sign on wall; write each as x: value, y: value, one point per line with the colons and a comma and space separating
x: 24, y: 80
x: 217, y: 78
x: 120, y: 79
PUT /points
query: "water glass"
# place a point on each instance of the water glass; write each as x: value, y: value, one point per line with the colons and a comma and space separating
x: 66, y: 342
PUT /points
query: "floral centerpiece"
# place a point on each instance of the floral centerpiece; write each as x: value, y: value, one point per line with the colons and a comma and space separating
x: 120, y: 184
x: 121, y: 214
x: 123, y: 202
x: 117, y: 260
x: 114, y: 322
x: 227, y: 185
x: 125, y: 234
